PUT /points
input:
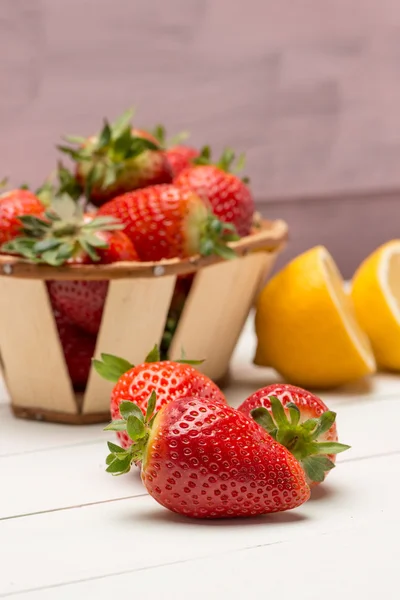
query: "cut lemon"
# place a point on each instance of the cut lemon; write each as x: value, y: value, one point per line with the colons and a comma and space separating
x: 306, y: 325
x: 376, y: 296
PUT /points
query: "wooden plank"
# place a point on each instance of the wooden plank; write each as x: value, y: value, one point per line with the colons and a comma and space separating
x: 134, y: 317
x: 216, y: 310
x: 36, y: 436
x: 33, y: 361
x: 345, y: 553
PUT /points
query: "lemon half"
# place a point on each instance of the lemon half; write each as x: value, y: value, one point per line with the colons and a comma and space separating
x: 306, y: 325
x: 376, y: 295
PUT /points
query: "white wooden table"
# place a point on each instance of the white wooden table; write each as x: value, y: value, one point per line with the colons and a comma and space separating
x: 70, y: 531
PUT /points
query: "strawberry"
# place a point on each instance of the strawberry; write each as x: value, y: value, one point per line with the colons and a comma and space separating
x: 117, y: 160
x: 168, y: 379
x: 301, y: 422
x: 178, y: 155
x: 13, y: 204
x: 205, y: 459
x: 228, y: 195
x: 65, y: 235
x: 81, y: 301
x: 78, y: 348
x: 165, y: 221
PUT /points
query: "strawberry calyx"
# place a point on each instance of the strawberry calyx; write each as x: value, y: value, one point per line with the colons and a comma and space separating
x: 228, y: 161
x: 138, y: 427
x: 301, y: 439
x: 66, y: 184
x: 214, y: 235
x: 112, y: 367
x: 106, y: 154
x: 62, y: 234
x: 160, y: 134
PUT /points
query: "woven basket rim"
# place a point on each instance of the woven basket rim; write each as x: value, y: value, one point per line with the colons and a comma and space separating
x: 271, y: 237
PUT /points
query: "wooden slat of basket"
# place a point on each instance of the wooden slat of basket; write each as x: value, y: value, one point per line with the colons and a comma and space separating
x: 34, y: 366
x: 216, y: 310
x: 133, y: 321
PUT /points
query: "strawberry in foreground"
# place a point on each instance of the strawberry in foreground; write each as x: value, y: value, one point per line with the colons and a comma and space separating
x: 13, y: 204
x: 78, y: 348
x: 168, y: 379
x: 178, y: 155
x: 66, y: 235
x: 165, y: 221
x: 229, y: 196
x: 117, y: 160
x: 207, y: 460
x: 301, y: 422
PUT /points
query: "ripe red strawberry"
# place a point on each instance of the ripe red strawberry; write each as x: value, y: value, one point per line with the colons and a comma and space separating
x: 207, y: 460
x: 81, y: 301
x: 117, y: 160
x: 118, y: 247
x: 180, y: 158
x: 78, y: 348
x: 13, y: 204
x: 301, y: 422
x: 228, y: 195
x: 165, y: 221
x: 168, y: 379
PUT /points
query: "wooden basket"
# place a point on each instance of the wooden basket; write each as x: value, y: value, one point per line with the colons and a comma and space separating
x: 134, y: 317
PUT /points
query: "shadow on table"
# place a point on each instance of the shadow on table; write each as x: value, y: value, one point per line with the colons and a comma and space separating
x: 323, y: 492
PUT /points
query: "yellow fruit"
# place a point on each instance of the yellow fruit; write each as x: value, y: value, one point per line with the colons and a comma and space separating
x: 306, y: 325
x: 376, y: 296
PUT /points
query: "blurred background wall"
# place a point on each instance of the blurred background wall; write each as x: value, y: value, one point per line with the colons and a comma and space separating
x: 309, y: 89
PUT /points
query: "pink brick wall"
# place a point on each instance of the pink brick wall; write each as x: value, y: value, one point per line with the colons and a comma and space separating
x: 310, y: 89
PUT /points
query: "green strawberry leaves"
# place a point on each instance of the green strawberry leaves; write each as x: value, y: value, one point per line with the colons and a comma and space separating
x: 160, y: 134
x: 153, y: 355
x: 227, y: 162
x: 151, y: 406
x: 300, y: 438
x: 122, y: 122
x: 214, y: 236
x: 316, y: 467
x: 138, y: 427
x: 111, y: 367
